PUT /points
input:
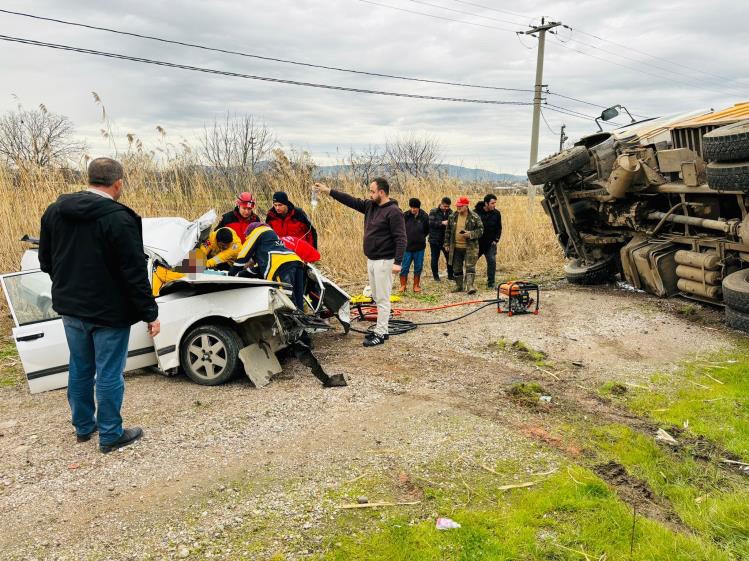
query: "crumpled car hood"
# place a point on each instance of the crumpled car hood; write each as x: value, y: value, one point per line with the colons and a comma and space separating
x: 171, y: 238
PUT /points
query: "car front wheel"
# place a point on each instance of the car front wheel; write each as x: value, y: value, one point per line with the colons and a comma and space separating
x: 209, y: 354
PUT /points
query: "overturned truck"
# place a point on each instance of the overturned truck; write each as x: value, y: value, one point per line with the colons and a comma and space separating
x: 662, y: 202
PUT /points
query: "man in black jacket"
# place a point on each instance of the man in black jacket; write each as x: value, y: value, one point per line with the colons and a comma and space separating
x: 92, y: 248
x: 492, y: 220
x: 384, y: 245
x: 417, y: 228
x: 438, y: 218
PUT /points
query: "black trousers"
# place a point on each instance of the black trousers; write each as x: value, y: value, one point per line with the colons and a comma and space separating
x: 293, y: 274
x: 435, y: 250
x: 490, y: 253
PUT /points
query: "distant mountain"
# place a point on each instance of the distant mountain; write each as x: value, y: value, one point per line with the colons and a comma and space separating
x: 458, y: 172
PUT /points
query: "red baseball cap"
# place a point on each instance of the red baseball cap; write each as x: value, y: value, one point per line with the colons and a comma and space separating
x: 462, y: 201
x: 246, y: 200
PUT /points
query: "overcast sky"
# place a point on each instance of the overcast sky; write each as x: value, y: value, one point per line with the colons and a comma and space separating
x: 707, y: 42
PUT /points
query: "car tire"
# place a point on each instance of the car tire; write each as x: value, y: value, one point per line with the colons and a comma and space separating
x: 728, y: 176
x: 727, y: 144
x: 559, y: 165
x: 737, y: 320
x: 209, y: 354
x: 588, y: 275
x: 736, y: 291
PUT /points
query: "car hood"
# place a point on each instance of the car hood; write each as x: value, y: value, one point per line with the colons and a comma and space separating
x: 170, y: 239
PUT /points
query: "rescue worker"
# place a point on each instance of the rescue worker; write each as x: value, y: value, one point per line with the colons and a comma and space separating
x: 221, y: 248
x: 464, y: 230
x: 289, y: 220
x: 438, y: 218
x: 264, y: 255
x: 242, y: 216
x: 417, y: 228
x: 492, y: 220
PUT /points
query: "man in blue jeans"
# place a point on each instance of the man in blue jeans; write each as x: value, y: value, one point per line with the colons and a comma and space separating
x: 92, y: 248
x: 417, y: 228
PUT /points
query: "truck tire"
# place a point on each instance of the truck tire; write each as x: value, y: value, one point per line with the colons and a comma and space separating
x: 736, y: 291
x: 727, y: 144
x: 209, y: 354
x: 559, y: 165
x: 728, y: 176
x: 587, y: 275
x: 737, y: 320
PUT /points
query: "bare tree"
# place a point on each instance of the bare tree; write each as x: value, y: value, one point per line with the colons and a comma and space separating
x: 413, y: 155
x: 38, y: 138
x: 235, y: 146
x: 367, y: 164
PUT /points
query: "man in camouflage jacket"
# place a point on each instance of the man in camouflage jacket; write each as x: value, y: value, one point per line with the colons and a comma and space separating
x: 464, y: 229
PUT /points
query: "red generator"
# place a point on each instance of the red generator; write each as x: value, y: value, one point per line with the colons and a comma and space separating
x: 516, y: 297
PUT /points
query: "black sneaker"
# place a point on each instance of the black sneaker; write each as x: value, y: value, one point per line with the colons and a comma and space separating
x: 86, y: 437
x: 371, y: 334
x: 375, y: 340
x: 128, y: 437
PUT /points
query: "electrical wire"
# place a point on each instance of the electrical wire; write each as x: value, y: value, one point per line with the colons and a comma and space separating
x: 547, y: 124
x: 253, y: 77
x: 630, y: 48
x: 255, y: 56
x: 463, y: 12
x: 635, y: 60
x: 400, y: 326
x: 659, y: 76
x: 493, y: 9
x: 436, y: 16
x: 572, y: 113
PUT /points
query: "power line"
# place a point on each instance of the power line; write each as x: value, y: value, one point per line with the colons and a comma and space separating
x: 659, y: 76
x: 573, y: 113
x: 548, y: 126
x: 638, y: 61
x: 267, y: 58
x: 250, y: 76
x: 494, y: 9
x: 463, y: 12
x: 587, y: 102
x: 629, y: 47
x: 436, y: 16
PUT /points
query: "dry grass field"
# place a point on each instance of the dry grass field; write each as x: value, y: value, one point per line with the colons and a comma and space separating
x: 528, y: 247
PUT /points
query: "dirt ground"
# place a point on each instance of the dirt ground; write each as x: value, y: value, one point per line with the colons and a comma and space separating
x: 215, y: 460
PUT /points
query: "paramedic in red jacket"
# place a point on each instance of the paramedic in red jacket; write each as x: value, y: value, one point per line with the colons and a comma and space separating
x: 241, y: 217
x: 288, y: 220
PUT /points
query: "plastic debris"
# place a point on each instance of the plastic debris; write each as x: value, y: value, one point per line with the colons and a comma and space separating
x: 446, y: 524
x: 663, y: 436
x: 545, y: 398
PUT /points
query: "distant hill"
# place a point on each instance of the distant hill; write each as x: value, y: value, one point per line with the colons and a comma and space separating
x: 458, y: 172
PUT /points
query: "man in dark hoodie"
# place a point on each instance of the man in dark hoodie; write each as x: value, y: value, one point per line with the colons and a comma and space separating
x: 289, y: 220
x: 384, y: 245
x: 492, y: 221
x: 92, y: 248
x: 417, y: 228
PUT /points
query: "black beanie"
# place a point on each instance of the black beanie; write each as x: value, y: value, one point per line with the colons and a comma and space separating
x: 281, y: 197
x: 224, y: 235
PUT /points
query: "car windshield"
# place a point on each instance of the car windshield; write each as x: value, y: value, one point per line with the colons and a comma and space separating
x: 30, y: 297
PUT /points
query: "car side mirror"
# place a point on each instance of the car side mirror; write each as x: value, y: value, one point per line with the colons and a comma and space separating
x: 610, y: 113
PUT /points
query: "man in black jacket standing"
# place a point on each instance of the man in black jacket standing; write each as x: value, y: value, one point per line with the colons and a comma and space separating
x: 492, y: 220
x: 384, y: 245
x: 438, y: 218
x: 417, y: 228
x: 92, y: 248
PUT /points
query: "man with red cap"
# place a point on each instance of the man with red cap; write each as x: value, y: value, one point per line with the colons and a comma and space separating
x: 241, y: 217
x: 464, y: 230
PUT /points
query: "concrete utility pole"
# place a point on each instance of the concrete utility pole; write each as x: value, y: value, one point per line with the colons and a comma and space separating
x: 541, y: 30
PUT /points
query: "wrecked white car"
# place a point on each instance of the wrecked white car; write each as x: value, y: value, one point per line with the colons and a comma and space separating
x: 212, y: 326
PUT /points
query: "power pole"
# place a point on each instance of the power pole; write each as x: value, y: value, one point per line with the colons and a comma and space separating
x: 562, y: 138
x: 541, y: 30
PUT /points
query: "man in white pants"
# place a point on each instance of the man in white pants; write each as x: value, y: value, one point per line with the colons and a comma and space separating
x: 384, y: 245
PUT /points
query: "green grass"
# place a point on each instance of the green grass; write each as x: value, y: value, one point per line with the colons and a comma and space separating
x: 523, y: 351
x: 11, y: 371
x: 709, y: 397
x: 566, y: 517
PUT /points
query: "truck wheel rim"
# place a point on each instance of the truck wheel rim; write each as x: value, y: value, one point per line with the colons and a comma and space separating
x: 207, y: 356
